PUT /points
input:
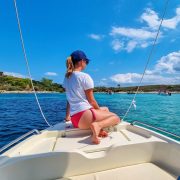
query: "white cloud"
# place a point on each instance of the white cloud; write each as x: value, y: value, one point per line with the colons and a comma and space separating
x: 134, y: 78
x: 173, y: 22
x: 128, y: 38
x: 153, y: 20
x: 150, y: 72
x: 132, y: 33
x: 166, y: 71
x: 117, y: 45
x: 169, y: 64
x: 125, y: 78
x: 51, y: 74
x: 96, y: 36
x: 131, y: 45
x: 15, y: 74
x: 145, y: 44
x: 102, y: 83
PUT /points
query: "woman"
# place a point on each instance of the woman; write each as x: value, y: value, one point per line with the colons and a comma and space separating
x: 82, y: 108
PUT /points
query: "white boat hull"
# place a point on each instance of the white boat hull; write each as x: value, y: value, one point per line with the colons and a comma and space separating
x: 69, y: 154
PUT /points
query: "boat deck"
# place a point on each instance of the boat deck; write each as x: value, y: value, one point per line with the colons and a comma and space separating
x: 83, y: 142
x: 80, y: 140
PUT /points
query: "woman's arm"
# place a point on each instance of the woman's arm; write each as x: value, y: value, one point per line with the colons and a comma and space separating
x: 68, y: 117
x: 90, y: 97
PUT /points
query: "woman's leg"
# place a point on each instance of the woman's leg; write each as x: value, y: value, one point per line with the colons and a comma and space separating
x: 103, y: 119
x: 86, y: 120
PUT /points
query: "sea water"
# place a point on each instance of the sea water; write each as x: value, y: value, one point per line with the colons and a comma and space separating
x: 19, y: 113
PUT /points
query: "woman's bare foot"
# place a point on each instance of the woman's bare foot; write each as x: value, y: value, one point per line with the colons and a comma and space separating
x: 96, y: 130
x: 103, y: 133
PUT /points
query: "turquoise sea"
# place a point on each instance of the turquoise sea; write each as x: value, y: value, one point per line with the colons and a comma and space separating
x: 19, y: 113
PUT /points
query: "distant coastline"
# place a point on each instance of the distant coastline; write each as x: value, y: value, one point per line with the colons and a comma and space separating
x: 55, y: 92
x: 27, y: 92
x: 10, y: 84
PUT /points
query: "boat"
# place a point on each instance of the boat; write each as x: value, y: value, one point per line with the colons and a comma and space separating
x: 61, y: 152
x: 131, y: 92
x: 164, y: 93
x: 110, y: 92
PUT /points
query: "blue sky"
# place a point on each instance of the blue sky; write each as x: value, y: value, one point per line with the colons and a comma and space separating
x: 116, y: 35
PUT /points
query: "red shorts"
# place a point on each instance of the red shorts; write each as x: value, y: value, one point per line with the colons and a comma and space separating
x: 76, y: 117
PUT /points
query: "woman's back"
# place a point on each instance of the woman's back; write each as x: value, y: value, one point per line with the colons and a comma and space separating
x: 75, y: 87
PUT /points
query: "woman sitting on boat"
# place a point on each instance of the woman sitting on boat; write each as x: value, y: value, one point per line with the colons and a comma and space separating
x: 82, y: 108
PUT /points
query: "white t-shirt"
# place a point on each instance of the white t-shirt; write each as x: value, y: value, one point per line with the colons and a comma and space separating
x: 75, y: 87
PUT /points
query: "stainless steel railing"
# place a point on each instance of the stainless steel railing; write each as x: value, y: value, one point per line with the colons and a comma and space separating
x: 18, y: 139
x: 156, y: 128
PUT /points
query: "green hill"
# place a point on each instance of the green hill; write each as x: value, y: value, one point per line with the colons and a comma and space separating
x: 148, y: 88
x: 10, y: 83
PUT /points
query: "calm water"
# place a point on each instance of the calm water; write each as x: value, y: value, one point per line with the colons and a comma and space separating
x: 19, y: 113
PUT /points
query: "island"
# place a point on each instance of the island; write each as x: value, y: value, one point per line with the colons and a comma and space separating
x: 9, y: 84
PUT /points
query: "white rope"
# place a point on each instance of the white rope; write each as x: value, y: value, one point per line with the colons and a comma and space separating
x: 27, y: 64
x: 148, y: 60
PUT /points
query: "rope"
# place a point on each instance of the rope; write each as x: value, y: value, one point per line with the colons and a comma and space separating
x: 148, y: 60
x: 27, y: 64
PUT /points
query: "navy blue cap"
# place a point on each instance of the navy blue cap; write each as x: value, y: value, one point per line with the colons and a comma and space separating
x: 78, y: 56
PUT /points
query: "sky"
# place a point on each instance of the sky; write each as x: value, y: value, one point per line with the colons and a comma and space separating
x: 116, y: 35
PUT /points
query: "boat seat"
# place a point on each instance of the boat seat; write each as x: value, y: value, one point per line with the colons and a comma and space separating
x: 145, y: 171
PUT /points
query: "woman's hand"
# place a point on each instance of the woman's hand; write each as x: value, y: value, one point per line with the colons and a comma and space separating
x: 104, y: 109
x: 68, y: 118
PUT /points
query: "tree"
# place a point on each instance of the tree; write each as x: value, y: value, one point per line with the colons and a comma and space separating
x: 47, y: 82
x: 1, y: 73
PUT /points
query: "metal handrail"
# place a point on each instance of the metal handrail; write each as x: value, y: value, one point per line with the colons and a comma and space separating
x: 159, y: 129
x: 18, y: 139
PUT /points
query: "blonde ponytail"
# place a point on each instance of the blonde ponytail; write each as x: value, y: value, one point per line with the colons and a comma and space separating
x: 70, y: 67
